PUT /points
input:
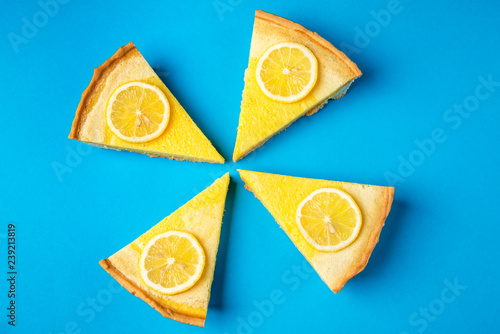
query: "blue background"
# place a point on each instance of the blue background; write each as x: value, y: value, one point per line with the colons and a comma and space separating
x: 443, y: 226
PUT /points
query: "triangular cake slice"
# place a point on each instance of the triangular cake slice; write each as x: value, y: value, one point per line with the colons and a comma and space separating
x: 202, y: 217
x: 261, y: 117
x: 282, y: 195
x: 181, y: 140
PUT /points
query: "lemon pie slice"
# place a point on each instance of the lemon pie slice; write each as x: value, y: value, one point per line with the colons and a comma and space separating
x: 171, y: 266
x: 291, y: 72
x: 335, y: 225
x: 127, y: 107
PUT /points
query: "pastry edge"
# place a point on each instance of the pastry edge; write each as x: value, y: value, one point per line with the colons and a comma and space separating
x: 138, y: 292
x: 153, y: 155
x: 311, y: 35
x: 99, y: 73
x: 372, y: 242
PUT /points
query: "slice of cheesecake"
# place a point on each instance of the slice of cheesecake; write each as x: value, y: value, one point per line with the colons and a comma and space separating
x: 262, y: 117
x: 201, y: 219
x: 181, y: 139
x: 336, y: 234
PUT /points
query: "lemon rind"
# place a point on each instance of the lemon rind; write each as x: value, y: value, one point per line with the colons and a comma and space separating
x: 344, y: 243
x: 306, y: 90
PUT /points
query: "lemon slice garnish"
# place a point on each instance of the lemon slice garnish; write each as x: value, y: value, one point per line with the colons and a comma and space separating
x: 287, y: 72
x: 172, y: 262
x: 137, y: 112
x: 329, y: 219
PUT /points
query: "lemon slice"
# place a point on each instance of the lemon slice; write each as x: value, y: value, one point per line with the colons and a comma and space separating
x: 329, y: 219
x: 287, y: 72
x: 172, y: 262
x: 137, y: 112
